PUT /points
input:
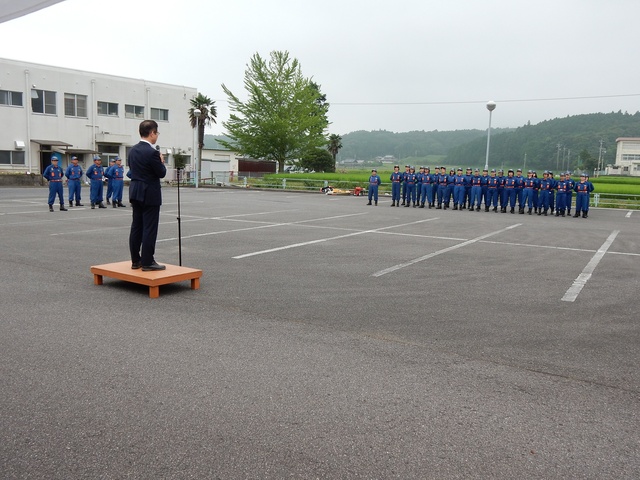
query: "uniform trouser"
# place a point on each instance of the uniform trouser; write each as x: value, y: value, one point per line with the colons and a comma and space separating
x: 536, y: 198
x: 448, y: 191
x: 434, y: 193
x: 109, y: 188
x: 373, y: 192
x: 484, y: 195
x: 510, y: 197
x: 395, y: 192
x: 552, y: 200
x: 404, y: 191
x: 426, y: 193
x: 501, y: 197
x: 117, y: 190
x: 476, y: 195
x: 569, y: 200
x: 582, y: 202
x: 544, y: 200
x: 519, y: 196
x: 441, y: 193
x: 560, y: 201
x: 492, y: 197
x: 467, y: 194
x: 55, y: 188
x: 527, y: 198
x: 458, y: 195
x: 411, y: 193
x: 74, y: 190
x: 144, y: 231
x: 96, y: 191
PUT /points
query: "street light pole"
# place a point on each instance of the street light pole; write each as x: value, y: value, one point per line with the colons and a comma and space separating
x: 196, y: 113
x: 491, y: 106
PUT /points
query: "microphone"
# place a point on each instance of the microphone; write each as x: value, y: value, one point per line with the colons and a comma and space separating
x: 158, y: 147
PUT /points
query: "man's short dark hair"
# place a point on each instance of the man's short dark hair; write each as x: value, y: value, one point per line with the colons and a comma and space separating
x: 147, y: 127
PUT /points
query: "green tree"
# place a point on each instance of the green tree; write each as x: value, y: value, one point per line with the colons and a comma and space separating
x: 208, y: 114
x: 319, y: 160
x: 334, y: 146
x: 285, y: 114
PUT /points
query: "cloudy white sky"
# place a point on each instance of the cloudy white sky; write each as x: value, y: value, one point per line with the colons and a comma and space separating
x: 395, y: 65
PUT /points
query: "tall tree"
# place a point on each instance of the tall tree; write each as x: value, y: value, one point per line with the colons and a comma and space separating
x: 284, y: 116
x: 334, y: 145
x: 208, y: 114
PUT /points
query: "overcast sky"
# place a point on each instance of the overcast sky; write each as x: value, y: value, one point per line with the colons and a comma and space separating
x: 431, y: 64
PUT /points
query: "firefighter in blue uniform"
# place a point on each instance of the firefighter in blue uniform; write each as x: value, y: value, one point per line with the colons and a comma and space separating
x: 519, y: 189
x: 53, y: 173
x: 448, y: 193
x: 570, y: 186
x: 410, y: 179
x: 501, y: 188
x: 107, y: 175
x: 74, y: 180
x: 419, y: 178
x: 561, y: 195
x: 536, y: 192
x: 476, y: 191
x: 428, y: 188
x: 467, y: 189
x: 424, y: 180
x: 95, y: 173
x: 116, y: 175
x: 583, y: 188
x: 528, y: 184
x: 396, y: 181
x: 492, y: 191
x: 546, y: 187
x: 404, y: 183
x: 458, y: 190
x: 374, y: 183
x: 484, y: 182
x: 442, y: 187
x: 509, y: 192
x: 552, y: 199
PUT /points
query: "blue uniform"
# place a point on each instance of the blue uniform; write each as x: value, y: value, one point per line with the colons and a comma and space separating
x: 570, y: 186
x: 404, y: 185
x: 582, y: 189
x: 484, y: 179
x: 426, y: 195
x: 54, y: 174
x: 476, y: 192
x: 519, y: 187
x: 528, y: 185
x: 95, y: 174
x: 74, y: 180
x: 115, y: 174
x: 552, y: 201
x: 374, y: 182
x: 410, y: 180
x: 396, y: 181
x: 107, y: 174
x: 546, y: 187
x: 561, y: 197
x: 467, y: 189
x: 510, y: 193
x: 492, y: 193
x: 459, y: 185
x: 501, y: 190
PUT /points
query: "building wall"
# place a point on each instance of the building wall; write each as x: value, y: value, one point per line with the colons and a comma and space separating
x: 627, y: 158
x: 107, y: 134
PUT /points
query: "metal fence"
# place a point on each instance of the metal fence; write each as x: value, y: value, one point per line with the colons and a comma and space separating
x: 615, y: 200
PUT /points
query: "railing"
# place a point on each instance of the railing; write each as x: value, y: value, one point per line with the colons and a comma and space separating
x: 615, y: 200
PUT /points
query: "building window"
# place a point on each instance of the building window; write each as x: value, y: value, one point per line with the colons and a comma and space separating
x: 11, y: 157
x: 43, y: 101
x: 106, y: 108
x: 630, y: 157
x: 133, y: 111
x: 75, y: 105
x: 10, y: 98
x: 160, y: 114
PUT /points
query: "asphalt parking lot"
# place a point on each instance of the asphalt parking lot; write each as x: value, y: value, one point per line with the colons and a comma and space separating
x: 328, y: 339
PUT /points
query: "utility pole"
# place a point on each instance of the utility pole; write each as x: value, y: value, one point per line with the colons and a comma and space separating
x: 600, y: 159
x: 524, y: 167
x: 558, y: 155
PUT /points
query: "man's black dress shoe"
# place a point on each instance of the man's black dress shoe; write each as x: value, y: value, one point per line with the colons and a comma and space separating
x: 152, y: 267
x: 136, y: 265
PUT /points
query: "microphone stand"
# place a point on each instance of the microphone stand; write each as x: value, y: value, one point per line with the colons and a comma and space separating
x: 179, y: 224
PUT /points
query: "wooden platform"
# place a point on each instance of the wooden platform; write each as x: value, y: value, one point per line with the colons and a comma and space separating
x: 123, y: 271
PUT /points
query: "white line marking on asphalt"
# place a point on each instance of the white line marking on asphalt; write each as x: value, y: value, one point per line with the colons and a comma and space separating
x: 583, y: 278
x: 439, y: 252
x: 321, y: 240
x: 628, y: 215
x: 270, y: 225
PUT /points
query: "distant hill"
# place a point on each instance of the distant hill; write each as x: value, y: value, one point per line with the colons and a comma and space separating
x: 547, y: 143
x: 364, y: 145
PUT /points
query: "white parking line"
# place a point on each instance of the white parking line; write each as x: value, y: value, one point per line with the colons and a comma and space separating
x: 583, y: 278
x: 321, y: 240
x: 628, y: 215
x: 444, y: 250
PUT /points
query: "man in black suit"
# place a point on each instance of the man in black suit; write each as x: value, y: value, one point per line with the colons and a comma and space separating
x: 146, y: 169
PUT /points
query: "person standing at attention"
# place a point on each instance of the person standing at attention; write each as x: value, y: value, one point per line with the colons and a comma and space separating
x: 53, y: 173
x: 147, y: 167
x: 95, y: 174
x: 374, y: 182
x: 74, y: 180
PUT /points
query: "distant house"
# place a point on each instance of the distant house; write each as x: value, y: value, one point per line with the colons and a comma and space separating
x: 223, y: 165
x: 627, y: 157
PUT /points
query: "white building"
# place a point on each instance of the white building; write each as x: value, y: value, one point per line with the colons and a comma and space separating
x: 627, y: 157
x: 47, y: 111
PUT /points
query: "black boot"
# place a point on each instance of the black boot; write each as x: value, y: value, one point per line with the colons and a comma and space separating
x: 545, y: 212
x: 397, y: 204
x: 439, y: 207
x: 455, y: 207
x: 512, y: 210
x: 108, y: 202
x: 557, y: 213
x: 115, y: 204
x: 486, y: 209
x: 495, y: 209
x: 576, y: 215
x: 562, y: 213
x: 369, y: 203
x: 422, y: 205
x: 529, y: 212
x: 101, y: 205
x: 70, y: 203
x: 540, y: 212
x: 584, y: 215
x: 503, y: 210
x: 51, y: 208
x: 62, y: 209
x: 376, y: 203
x: 93, y: 205
x: 408, y: 204
x: 393, y: 204
x: 78, y: 204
